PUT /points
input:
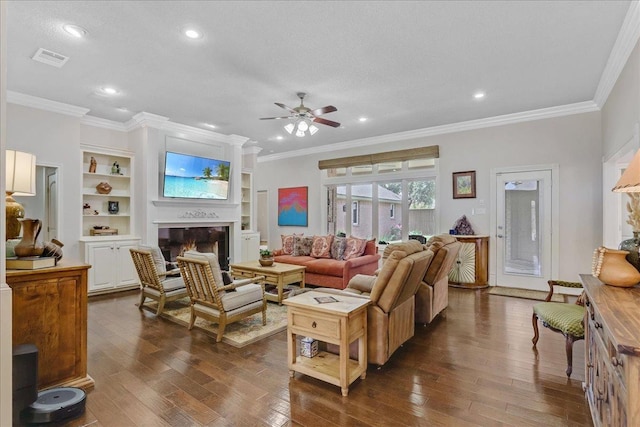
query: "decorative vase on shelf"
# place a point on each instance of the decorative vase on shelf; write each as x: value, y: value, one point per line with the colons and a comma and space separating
x: 612, y: 268
x: 633, y: 247
x: 103, y: 188
x: 29, y: 245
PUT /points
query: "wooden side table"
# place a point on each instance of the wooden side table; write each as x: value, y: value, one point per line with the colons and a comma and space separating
x: 340, y: 323
x: 279, y: 275
x: 471, y: 269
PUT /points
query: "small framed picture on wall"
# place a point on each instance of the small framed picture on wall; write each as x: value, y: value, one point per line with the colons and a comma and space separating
x: 464, y: 185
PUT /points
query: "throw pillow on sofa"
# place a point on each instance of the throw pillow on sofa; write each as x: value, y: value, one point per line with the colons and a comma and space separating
x: 354, y: 247
x: 302, y: 245
x: 321, y: 246
x: 287, y: 243
x: 337, y: 248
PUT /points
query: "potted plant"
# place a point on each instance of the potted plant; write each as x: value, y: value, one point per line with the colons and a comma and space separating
x: 266, y: 258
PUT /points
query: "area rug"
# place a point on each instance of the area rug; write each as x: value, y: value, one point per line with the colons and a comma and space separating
x: 237, y: 334
x: 524, y: 293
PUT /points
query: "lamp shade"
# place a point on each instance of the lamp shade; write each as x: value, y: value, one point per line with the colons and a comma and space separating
x: 21, y: 173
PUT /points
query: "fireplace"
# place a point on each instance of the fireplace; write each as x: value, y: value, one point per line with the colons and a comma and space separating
x: 174, y: 241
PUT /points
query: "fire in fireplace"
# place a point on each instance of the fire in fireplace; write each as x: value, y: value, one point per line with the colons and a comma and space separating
x: 174, y: 242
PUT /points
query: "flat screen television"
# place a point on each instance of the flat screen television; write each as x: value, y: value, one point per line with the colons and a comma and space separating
x: 193, y: 177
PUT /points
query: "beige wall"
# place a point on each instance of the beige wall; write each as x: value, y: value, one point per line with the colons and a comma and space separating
x: 573, y: 142
x: 621, y: 112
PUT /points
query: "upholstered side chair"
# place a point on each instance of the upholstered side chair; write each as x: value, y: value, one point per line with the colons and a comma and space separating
x: 561, y: 317
x: 154, y: 281
x: 211, y: 299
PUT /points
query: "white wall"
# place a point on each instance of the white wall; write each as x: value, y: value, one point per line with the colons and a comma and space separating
x: 573, y: 142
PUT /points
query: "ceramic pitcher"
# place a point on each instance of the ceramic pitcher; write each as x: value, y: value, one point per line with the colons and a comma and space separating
x: 29, y: 245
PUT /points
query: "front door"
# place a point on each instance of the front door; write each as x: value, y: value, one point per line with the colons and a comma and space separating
x: 523, y: 235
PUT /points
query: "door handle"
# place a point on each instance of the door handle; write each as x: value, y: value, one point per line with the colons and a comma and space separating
x: 499, y: 236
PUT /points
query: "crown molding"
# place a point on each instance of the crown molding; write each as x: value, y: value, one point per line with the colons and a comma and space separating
x: 45, y: 104
x: 103, y: 123
x: 143, y: 119
x: 253, y: 149
x: 622, y: 48
x: 506, y: 119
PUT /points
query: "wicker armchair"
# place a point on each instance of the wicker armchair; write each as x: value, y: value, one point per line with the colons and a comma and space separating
x: 154, y: 283
x: 214, y: 301
x: 562, y: 317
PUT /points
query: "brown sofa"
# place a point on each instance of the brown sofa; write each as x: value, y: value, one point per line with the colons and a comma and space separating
x: 390, y: 317
x: 332, y: 273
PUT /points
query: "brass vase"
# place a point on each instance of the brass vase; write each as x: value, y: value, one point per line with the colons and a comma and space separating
x: 29, y: 245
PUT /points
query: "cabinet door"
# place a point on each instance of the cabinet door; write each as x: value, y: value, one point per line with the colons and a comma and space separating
x: 104, y: 265
x: 250, y: 246
x: 127, y: 274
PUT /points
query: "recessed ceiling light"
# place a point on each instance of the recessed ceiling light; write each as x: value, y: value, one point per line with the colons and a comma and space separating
x: 123, y: 109
x: 192, y: 34
x: 363, y: 119
x: 478, y: 95
x: 279, y: 137
x: 74, y: 30
x: 209, y: 125
x: 108, y: 90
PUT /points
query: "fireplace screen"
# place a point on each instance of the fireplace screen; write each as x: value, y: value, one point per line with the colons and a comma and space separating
x: 174, y: 242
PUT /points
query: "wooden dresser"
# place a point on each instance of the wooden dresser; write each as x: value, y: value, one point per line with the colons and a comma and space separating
x: 612, y: 340
x: 50, y: 311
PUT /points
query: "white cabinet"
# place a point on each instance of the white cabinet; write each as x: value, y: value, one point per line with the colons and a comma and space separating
x: 247, y: 201
x: 250, y: 246
x: 111, y: 265
x: 101, y: 209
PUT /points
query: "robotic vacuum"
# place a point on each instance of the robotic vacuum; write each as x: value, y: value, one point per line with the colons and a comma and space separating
x: 55, y: 404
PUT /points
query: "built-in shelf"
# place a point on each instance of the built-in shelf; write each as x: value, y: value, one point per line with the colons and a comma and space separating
x: 115, y: 168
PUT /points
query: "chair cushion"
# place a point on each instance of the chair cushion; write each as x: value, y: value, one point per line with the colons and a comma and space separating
x: 566, y: 318
x: 244, y: 295
x: 173, y: 283
x: 213, y: 263
x: 158, y: 258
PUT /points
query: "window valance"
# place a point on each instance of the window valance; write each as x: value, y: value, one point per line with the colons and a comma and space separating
x: 431, y: 152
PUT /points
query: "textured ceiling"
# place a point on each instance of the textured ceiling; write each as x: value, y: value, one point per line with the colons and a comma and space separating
x: 403, y: 65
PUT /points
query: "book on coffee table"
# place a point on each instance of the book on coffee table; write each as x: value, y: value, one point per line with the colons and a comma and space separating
x: 30, y: 263
x: 324, y: 300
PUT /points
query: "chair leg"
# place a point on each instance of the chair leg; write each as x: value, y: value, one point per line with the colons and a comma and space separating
x: 160, y: 306
x: 536, y: 335
x: 264, y: 314
x: 142, y: 298
x: 569, y: 347
x: 193, y: 318
x: 221, y: 326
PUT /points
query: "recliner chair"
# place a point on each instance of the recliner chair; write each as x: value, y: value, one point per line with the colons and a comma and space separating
x: 390, y: 317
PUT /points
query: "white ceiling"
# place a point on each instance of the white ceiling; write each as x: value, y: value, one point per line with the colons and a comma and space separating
x: 403, y: 65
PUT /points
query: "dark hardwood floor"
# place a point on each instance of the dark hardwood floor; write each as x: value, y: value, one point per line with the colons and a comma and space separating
x: 474, y: 366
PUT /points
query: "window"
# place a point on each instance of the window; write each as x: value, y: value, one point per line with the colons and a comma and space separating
x: 355, y: 212
x: 392, y: 211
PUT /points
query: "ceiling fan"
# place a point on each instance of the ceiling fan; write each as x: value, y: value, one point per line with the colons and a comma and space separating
x: 301, y: 114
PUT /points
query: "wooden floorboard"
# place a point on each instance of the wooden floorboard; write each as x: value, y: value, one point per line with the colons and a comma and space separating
x: 473, y: 366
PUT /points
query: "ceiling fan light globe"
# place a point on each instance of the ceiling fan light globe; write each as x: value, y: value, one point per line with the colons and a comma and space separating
x: 289, y: 128
x: 303, y: 126
x: 313, y: 129
x: 299, y: 133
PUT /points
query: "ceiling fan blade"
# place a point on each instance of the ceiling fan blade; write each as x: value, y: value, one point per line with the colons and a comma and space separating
x: 326, y: 122
x: 324, y: 110
x: 276, y: 118
x: 291, y: 110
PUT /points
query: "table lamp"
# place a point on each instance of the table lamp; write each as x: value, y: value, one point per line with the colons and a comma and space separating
x: 21, y: 181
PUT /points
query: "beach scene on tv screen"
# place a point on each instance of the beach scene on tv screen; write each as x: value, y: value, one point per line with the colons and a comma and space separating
x: 195, y: 177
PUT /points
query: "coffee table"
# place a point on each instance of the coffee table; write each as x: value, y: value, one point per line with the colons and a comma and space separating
x: 278, y: 274
x: 340, y: 322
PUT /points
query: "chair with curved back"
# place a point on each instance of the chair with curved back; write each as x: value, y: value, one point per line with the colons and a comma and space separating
x: 153, y: 276
x: 562, y: 317
x: 211, y: 299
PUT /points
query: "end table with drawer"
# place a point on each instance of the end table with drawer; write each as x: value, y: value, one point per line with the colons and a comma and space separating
x: 340, y: 322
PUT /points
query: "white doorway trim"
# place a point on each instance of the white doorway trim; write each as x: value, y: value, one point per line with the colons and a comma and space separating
x: 555, y: 214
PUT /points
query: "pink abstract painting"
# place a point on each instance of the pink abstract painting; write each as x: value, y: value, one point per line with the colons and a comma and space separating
x: 292, y: 206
